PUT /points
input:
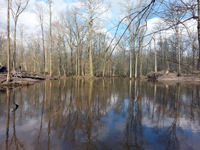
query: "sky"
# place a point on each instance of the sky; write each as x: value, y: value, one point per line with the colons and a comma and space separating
x: 29, y: 19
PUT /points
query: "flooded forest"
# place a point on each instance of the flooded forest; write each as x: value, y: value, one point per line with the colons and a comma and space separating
x: 92, y: 38
x: 99, y: 74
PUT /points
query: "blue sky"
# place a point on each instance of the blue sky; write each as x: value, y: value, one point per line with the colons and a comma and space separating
x: 29, y: 19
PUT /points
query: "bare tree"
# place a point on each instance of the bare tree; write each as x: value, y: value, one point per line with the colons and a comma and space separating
x: 18, y: 6
x: 8, y: 41
x: 50, y: 34
x: 22, y: 33
x: 155, y: 54
x: 93, y: 9
x: 174, y: 13
x: 40, y: 14
x: 198, y: 27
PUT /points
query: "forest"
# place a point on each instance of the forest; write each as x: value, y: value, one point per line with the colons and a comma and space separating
x: 83, y: 41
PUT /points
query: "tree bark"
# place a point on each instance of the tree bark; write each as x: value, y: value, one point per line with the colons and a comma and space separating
x: 198, y: 28
x: 90, y: 49
x: 141, y: 59
x: 50, y: 34
x: 14, y: 45
x: 155, y: 54
x: 8, y: 41
x: 179, y: 50
x: 130, y: 52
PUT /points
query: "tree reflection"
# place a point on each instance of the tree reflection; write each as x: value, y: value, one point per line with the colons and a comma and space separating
x: 134, y: 130
x: 14, y: 140
x: 49, y: 115
x: 174, y: 132
x: 8, y: 117
x: 40, y: 134
x: 154, y: 99
x: 101, y: 114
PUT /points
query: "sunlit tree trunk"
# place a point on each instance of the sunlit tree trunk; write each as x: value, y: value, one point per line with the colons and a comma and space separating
x: 8, y: 41
x: 50, y: 34
x: 14, y: 45
x: 136, y: 63
x: 90, y: 49
x: 179, y: 50
x: 136, y: 57
x: 130, y: 52
x: 198, y: 27
x: 141, y: 59
x: 155, y: 53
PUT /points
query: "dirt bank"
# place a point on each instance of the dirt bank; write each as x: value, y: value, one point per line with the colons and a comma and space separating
x: 172, y: 77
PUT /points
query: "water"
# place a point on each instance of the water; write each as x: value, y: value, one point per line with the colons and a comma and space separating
x: 109, y: 114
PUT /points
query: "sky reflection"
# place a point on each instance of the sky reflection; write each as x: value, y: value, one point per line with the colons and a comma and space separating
x: 100, y: 114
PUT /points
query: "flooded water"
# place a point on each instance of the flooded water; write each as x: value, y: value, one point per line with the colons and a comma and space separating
x: 114, y: 114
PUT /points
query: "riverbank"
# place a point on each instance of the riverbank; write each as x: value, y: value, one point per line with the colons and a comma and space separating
x: 166, y: 78
x: 193, y: 78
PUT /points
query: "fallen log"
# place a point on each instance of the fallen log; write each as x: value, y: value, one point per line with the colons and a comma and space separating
x: 34, y: 77
x: 24, y: 74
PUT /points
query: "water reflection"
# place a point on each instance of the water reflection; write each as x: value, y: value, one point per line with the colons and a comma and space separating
x: 100, y: 114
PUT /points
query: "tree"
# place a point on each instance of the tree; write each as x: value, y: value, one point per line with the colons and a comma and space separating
x: 50, y: 34
x: 174, y: 13
x: 18, y: 6
x: 93, y: 11
x: 40, y: 14
x: 128, y: 7
x: 198, y: 30
x: 155, y: 54
x: 8, y: 41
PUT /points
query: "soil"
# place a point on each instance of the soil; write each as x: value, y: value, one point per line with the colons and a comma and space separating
x: 193, y: 78
x: 182, y: 78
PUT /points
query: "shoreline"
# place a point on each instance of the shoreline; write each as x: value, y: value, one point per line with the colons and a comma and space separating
x: 170, y: 78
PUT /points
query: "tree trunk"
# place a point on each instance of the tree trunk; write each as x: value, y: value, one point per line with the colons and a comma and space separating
x: 136, y: 63
x: 141, y: 60
x: 8, y: 41
x: 44, y: 50
x: 51, y: 74
x: 130, y: 52
x: 179, y: 50
x: 155, y: 53
x: 136, y: 57
x: 198, y: 27
x: 14, y: 44
x: 90, y: 49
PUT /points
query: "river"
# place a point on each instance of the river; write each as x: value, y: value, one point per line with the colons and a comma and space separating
x: 113, y: 113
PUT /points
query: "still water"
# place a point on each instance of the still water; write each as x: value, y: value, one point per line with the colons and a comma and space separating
x: 116, y: 114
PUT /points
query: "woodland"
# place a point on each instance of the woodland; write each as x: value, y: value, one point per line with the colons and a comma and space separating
x: 81, y: 41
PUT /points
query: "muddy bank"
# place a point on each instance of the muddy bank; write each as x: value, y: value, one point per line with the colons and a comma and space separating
x: 174, y: 78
